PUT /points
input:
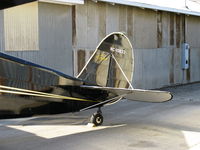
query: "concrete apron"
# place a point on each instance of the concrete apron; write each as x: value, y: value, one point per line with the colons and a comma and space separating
x: 127, y: 125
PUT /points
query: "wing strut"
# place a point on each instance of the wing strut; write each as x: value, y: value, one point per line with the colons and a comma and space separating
x: 102, y: 103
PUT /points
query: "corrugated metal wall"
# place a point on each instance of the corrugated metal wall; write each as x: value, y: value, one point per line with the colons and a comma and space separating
x: 55, y: 38
x: 156, y: 38
x: 21, y: 28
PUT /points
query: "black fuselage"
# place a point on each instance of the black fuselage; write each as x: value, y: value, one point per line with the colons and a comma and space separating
x: 27, y: 89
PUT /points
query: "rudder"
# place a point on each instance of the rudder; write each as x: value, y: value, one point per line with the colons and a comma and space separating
x: 111, y: 65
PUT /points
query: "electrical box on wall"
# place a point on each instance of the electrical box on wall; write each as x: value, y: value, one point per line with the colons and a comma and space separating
x: 185, y: 55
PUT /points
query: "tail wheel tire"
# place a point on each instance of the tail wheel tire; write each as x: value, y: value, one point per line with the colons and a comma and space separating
x: 97, y: 119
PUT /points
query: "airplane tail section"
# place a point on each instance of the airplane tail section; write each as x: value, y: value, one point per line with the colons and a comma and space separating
x: 153, y: 96
x: 111, y: 65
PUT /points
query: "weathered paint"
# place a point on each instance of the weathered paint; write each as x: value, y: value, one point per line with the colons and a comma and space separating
x: 183, y: 29
x: 178, y: 31
x: 73, y: 25
x: 145, y: 29
x: 81, y: 60
x: 165, y: 29
x: 156, y: 38
x: 159, y: 29
x: 171, y: 29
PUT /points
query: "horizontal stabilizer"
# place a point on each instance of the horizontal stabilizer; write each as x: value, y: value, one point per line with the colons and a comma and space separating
x: 137, y: 94
x: 149, y: 96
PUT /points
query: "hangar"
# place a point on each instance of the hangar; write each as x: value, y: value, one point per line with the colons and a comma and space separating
x: 62, y: 34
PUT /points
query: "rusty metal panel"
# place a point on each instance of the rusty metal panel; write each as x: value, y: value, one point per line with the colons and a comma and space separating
x: 171, y: 36
x: 81, y: 59
x: 178, y: 31
x: 21, y: 27
x: 74, y: 25
x: 183, y: 29
x: 159, y: 29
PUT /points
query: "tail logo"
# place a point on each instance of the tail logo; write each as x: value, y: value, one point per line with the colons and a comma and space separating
x: 101, y: 57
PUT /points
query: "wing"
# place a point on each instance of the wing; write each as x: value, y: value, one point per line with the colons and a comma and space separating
x: 137, y: 94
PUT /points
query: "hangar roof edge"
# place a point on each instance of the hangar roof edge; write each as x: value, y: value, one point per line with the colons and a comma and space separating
x: 187, y: 7
x: 65, y: 2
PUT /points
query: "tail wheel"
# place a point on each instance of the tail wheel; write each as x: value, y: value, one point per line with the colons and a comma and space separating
x: 97, y: 119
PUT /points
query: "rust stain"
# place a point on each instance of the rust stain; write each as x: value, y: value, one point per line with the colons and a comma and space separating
x: 159, y: 29
x: 81, y: 60
x: 183, y: 28
x: 171, y: 29
x: 178, y: 31
x: 73, y: 25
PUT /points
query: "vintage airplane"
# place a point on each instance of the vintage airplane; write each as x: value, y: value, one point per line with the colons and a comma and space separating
x: 28, y: 89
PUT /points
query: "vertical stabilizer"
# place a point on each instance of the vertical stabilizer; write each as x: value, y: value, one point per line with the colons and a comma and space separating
x: 111, y: 65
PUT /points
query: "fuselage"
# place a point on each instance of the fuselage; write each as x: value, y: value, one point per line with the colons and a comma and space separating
x: 28, y: 89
